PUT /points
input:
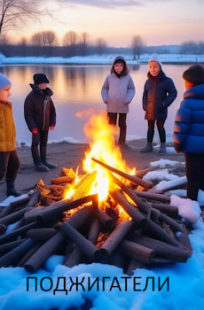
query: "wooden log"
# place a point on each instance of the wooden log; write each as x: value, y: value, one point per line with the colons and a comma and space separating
x: 133, y: 179
x: 20, y: 224
x: 3, y: 228
x: 61, y: 180
x: 4, y: 248
x: 18, y: 232
x: 169, y: 221
x: 29, y: 254
x: 136, y: 251
x: 94, y: 231
x: 184, y: 239
x: 53, y: 244
x: 14, y: 217
x: 73, y: 259
x: 11, y: 257
x: 141, y: 173
x: 164, y: 208
x: 152, y: 196
x: 40, y: 234
x: 163, y: 249
x: 9, y: 209
x: 34, y: 199
x: 104, y: 219
x: 161, y: 261
x: 117, y: 259
x: 168, y: 230
x: 133, y: 265
x: 115, y: 238
x: 90, y: 250
x: 132, y: 211
x: 49, y: 213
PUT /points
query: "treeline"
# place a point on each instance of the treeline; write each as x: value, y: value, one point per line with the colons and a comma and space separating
x: 192, y: 47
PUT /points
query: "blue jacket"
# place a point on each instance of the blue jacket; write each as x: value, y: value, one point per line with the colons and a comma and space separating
x: 158, y: 95
x: 189, y: 123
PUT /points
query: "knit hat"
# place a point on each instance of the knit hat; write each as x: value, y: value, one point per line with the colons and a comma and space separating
x: 119, y: 59
x: 39, y: 78
x: 155, y: 57
x: 4, y: 81
x: 194, y: 74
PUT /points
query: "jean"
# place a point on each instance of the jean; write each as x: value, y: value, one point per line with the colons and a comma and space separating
x: 122, y: 124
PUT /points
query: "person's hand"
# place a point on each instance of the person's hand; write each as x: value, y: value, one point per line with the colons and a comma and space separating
x: 35, y: 131
x: 178, y: 147
x: 106, y: 101
x: 52, y: 127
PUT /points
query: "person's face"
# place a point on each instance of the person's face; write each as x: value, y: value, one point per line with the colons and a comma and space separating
x: 42, y: 86
x: 188, y: 85
x: 118, y: 67
x: 154, y: 68
x: 5, y: 93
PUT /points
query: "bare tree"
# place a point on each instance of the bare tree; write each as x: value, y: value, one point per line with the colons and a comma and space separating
x: 137, y: 46
x: 37, y: 39
x: 101, y: 46
x: 189, y: 47
x: 49, y: 38
x: 84, y: 42
x: 70, y: 40
x: 5, y: 39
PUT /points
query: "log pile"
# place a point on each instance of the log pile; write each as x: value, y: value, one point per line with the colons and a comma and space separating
x: 132, y: 229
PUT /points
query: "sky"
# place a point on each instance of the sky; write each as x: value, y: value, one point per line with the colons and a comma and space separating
x: 158, y: 22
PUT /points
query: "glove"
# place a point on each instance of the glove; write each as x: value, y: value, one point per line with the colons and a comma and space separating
x: 52, y: 127
x: 34, y: 131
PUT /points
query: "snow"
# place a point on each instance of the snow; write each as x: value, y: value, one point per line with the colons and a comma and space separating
x: 162, y: 174
x: 164, y: 185
x: 185, y: 279
x: 163, y: 163
x: 101, y: 60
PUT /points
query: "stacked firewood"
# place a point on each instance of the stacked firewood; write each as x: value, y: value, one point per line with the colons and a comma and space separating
x: 135, y: 227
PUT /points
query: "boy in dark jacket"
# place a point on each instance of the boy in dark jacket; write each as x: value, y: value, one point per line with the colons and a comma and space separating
x: 189, y: 129
x: 159, y: 93
x: 40, y: 115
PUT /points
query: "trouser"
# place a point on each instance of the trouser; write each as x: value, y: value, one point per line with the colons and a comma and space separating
x: 121, y: 123
x: 39, y: 138
x: 9, y: 165
x: 161, y: 130
x: 194, y: 174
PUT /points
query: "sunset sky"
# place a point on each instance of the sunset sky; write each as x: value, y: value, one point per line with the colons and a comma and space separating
x: 157, y: 21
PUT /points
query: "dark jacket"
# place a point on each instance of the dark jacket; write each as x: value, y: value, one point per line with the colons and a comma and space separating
x: 39, y: 110
x: 189, y: 122
x: 158, y: 95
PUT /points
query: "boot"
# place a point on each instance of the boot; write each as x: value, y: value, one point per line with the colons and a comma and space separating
x: 48, y: 165
x: 162, y: 136
x: 11, y: 190
x: 162, y: 149
x: 39, y: 165
x: 149, y: 146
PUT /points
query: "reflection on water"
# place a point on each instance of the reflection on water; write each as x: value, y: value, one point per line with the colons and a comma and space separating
x: 76, y: 89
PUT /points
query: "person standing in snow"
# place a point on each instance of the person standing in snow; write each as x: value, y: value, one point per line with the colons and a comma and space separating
x: 117, y: 93
x: 188, y: 133
x: 40, y: 116
x: 9, y: 160
x: 159, y: 93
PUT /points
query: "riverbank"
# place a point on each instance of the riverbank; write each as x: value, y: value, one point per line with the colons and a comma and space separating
x: 101, y: 60
x: 71, y: 155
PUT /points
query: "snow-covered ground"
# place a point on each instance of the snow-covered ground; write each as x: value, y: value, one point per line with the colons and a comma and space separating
x: 100, y: 60
x: 185, y: 279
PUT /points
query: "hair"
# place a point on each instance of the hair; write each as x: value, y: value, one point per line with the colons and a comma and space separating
x: 194, y: 74
x: 125, y: 69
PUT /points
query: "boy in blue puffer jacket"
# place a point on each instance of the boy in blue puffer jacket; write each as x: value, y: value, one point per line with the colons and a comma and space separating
x: 189, y: 129
x: 159, y: 93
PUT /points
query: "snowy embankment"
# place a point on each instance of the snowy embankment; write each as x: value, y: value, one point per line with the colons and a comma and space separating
x: 100, y: 60
x: 129, y: 293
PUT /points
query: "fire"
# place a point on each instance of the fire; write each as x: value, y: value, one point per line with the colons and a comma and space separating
x: 102, y: 147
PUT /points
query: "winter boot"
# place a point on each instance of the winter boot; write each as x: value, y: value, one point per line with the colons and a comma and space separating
x: 48, y: 165
x: 43, y: 152
x: 39, y: 165
x: 11, y: 191
x: 162, y: 136
x: 149, y: 146
x: 162, y: 149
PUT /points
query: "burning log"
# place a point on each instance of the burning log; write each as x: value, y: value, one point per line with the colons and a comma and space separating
x: 11, y: 257
x: 10, y: 246
x: 115, y: 238
x: 136, y: 251
x: 90, y: 250
x: 18, y: 232
x: 133, y: 179
x: 49, y: 213
x: 62, y: 180
x: 129, y: 208
x: 41, y: 234
x: 54, y: 243
x: 163, y: 249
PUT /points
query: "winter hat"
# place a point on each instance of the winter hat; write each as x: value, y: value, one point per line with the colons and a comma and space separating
x: 4, y: 81
x: 155, y: 57
x: 39, y: 78
x: 119, y: 59
x: 194, y: 74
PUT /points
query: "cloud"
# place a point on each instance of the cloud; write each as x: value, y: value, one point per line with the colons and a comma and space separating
x: 108, y: 3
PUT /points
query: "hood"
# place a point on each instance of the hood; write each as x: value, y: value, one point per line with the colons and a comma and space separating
x: 36, y: 89
x: 125, y: 70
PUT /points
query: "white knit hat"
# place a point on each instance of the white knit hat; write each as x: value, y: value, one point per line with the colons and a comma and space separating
x: 155, y: 57
x: 4, y: 81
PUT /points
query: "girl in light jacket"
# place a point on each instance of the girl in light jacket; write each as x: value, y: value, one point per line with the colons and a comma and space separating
x: 117, y: 93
